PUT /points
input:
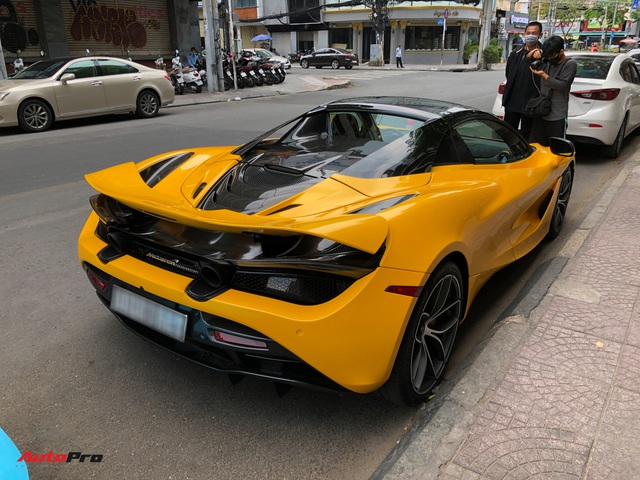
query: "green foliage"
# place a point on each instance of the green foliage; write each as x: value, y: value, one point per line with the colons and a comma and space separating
x: 470, y: 48
x: 492, y: 53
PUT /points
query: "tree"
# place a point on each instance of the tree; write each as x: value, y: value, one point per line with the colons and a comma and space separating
x: 380, y: 19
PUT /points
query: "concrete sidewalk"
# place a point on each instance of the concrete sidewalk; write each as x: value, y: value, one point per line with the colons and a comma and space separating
x: 554, y: 394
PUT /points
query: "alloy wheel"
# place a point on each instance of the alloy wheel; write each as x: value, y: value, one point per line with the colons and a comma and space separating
x: 435, y: 333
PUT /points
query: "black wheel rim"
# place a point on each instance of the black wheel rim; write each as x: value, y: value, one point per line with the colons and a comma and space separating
x: 435, y: 333
x: 563, y: 201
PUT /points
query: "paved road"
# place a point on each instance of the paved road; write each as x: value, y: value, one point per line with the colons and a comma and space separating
x: 75, y: 380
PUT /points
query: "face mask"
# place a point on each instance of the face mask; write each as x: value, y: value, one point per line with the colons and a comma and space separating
x: 554, y: 60
x: 531, y: 40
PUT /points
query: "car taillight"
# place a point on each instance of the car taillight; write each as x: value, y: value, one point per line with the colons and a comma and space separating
x: 601, y: 94
x: 167, y: 76
x: 348, y: 55
x: 99, y: 283
x: 242, y: 341
x: 501, y: 88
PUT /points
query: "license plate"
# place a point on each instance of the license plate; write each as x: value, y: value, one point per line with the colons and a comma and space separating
x: 149, y: 313
x: 242, y: 74
x: 261, y: 71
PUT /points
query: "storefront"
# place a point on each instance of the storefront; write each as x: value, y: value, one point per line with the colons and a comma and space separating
x: 140, y: 29
x: 422, y: 31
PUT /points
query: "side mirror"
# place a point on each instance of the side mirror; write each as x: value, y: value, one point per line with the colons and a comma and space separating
x: 67, y: 77
x: 87, y: 51
x: 562, y: 147
x: 177, y: 52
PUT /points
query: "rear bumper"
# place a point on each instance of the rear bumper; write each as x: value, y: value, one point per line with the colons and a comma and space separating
x: 349, y: 342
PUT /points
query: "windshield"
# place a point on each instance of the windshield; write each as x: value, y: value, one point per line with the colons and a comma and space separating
x: 595, y: 67
x: 264, y: 53
x: 354, y: 143
x: 41, y: 69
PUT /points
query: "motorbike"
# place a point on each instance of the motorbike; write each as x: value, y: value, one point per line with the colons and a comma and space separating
x: 160, y: 63
x: 176, y: 74
x: 202, y: 70
x: 18, y: 64
x: 188, y: 77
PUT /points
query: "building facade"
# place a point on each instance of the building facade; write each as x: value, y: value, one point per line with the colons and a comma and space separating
x: 142, y: 29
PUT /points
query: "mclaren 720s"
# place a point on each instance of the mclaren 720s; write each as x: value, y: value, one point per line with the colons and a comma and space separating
x: 339, y: 251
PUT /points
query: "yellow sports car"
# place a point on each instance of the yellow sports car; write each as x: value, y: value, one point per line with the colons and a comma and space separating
x: 339, y: 251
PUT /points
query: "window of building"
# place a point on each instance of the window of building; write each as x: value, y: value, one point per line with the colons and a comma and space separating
x: 304, y: 11
x: 430, y: 38
x: 246, y: 3
x: 342, y: 38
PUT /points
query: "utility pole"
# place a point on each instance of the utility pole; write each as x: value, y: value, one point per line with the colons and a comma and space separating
x: 485, y: 32
x: 215, y: 82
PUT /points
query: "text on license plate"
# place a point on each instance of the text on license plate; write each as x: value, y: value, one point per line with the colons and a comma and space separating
x: 149, y: 313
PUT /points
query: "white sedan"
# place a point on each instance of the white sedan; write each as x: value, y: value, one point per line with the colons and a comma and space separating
x: 604, y: 105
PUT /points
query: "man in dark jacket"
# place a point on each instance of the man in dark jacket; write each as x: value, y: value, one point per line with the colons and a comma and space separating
x: 557, y: 75
x: 521, y: 83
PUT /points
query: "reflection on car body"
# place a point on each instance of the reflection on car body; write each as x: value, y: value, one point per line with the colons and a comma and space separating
x: 64, y: 88
x: 338, y: 251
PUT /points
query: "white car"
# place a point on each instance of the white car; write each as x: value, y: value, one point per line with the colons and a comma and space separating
x: 267, y: 55
x: 604, y: 105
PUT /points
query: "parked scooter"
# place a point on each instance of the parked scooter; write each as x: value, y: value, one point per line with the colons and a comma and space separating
x: 189, y: 76
x: 18, y: 63
x: 176, y: 74
x: 202, y: 70
x: 160, y: 63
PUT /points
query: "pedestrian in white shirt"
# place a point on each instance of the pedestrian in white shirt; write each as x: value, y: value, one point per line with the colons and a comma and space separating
x: 399, y: 57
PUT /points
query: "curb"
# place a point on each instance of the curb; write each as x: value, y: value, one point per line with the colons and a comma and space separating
x: 442, y: 425
x: 236, y: 95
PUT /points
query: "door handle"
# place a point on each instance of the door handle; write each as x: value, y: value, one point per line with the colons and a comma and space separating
x: 135, y: 79
x: 97, y: 83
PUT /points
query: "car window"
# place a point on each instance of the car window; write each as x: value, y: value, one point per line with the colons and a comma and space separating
x: 593, y: 67
x: 629, y: 72
x: 452, y: 150
x: 322, y: 51
x: 635, y: 75
x: 114, y: 67
x: 82, y: 69
x: 491, y: 142
x: 41, y: 69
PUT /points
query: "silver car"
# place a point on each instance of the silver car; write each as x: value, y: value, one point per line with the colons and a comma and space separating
x: 65, y: 88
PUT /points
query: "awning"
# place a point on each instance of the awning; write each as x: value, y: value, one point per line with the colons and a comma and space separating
x: 599, y: 34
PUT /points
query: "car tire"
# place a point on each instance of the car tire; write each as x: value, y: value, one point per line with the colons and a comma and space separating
x: 147, y: 104
x: 560, y: 208
x: 35, y: 116
x: 613, y: 151
x: 335, y: 64
x: 429, y: 338
x: 304, y: 63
